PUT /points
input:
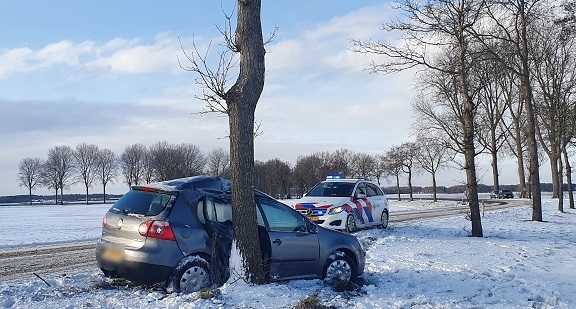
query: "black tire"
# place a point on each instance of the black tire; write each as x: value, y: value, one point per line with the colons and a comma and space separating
x: 108, y: 273
x: 339, y: 267
x: 384, y: 219
x: 193, y: 277
x: 351, y: 223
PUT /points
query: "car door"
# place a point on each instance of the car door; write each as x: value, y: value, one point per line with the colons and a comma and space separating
x: 294, y: 250
x: 378, y: 201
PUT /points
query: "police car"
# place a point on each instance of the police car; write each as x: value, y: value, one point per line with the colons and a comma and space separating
x: 345, y: 204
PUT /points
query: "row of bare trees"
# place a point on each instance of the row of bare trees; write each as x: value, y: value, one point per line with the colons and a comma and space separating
x: 138, y: 164
x: 89, y: 165
x: 493, y: 77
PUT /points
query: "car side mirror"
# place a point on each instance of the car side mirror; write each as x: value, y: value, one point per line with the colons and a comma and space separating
x: 360, y: 195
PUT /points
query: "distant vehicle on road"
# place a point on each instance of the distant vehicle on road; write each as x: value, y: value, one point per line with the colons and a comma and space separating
x: 501, y: 194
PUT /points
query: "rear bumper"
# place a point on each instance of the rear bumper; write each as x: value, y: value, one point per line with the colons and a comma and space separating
x: 147, y: 265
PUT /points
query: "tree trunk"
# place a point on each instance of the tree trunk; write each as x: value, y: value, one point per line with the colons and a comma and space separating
x: 521, y: 176
x: 495, y: 170
x: 468, y: 140
x: 560, y: 187
x: 434, y: 188
x: 554, y: 174
x: 530, y: 121
x: 398, y: 187
x: 62, y: 195
x: 30, y: 194
x: 104, y: 189
x: 86, y: 195
x: 410, y: 185
x: 241, y: 100
x: 569, y: 178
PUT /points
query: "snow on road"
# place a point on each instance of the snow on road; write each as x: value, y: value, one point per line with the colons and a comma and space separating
x: 430, y: 263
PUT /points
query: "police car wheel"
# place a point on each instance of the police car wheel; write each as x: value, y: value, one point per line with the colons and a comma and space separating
x: 384, y: 219
x: 350, y: 224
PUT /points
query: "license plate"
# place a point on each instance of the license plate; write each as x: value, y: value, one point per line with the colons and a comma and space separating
x: 113, y: 255
x: 313, y: 218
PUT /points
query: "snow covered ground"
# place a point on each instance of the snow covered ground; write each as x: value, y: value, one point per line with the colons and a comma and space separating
x: 419, y: 264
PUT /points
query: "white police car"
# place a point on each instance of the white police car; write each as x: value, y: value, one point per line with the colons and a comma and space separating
x: 345, y: 204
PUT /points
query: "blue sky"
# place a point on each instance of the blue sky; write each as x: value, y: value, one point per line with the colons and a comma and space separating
x: 107, y: 73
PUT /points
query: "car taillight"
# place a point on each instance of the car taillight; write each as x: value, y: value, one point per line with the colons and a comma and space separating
x: 156, y: 229
x: 104, y: 220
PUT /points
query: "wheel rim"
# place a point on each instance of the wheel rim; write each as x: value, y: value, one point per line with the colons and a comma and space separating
x: 384, y: 219
x: 350, y: 224
x: 194, y: 279
x: 339, y: 269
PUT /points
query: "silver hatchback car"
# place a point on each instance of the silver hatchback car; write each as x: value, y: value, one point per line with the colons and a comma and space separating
x: 179, y: 233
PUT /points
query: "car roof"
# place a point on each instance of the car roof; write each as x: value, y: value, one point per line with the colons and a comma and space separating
x: 195, y: 183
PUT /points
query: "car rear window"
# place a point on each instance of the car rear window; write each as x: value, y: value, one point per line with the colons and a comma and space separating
x: 141, y: 203
x: 338, y: 189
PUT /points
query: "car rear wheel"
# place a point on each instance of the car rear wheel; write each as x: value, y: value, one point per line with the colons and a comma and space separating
x: 384, y: 219
x: 340, y: 267
x: 193, y: 277
x: 350, y: 224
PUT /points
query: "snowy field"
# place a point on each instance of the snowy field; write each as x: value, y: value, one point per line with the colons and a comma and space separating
x: 419, y: 264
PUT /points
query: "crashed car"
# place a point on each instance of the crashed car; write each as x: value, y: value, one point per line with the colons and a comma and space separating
x: 345, y: 204
x: 178, y: 234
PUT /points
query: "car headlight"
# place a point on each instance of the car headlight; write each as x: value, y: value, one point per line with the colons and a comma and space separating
x: 335, y: 210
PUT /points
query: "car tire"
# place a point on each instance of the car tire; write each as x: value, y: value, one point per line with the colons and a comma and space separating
x: 350, y: 224
x: 340, y: 267
x: 193, y: 277
x: 384, y: 219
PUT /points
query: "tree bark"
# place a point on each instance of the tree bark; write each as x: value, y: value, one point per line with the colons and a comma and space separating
x: 241, y: 100
x: 569, y: 178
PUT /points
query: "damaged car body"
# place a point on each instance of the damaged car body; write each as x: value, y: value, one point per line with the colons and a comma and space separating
x: 179, y: 234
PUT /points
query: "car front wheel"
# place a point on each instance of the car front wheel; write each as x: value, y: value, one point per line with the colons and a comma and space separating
x: 350, y: 224
x: 339, y: 266
x: 384, y: 219
x: 193, y: 277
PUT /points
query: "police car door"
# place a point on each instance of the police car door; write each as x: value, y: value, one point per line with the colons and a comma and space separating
x: 294, y: 250
x: 377, y: 200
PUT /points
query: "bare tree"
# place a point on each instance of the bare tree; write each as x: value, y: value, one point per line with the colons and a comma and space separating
x: 86, y: 163
x: 170, y: 161
x: 512, y: 22
x: 432, y: 156
x: 107, y: 168
x: 218, y: 162
x: 49, y: 179
x: 60, y: 167
x: 492, y: 133
x: 429, y: 26
x: 363, y: 165
x: 555, y: 72
x: 132, y: 163
x: 29, y: 174
x: 239, y: 103
x: 309, y: 170
x: 379, y: 167
x: 409, y: 155
x: 393, y: 162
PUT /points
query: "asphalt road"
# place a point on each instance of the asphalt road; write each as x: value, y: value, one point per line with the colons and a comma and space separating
x: 26, y: 262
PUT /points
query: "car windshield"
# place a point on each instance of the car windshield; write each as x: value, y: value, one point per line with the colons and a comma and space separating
x: 332, y: 189
x: 141, y: 203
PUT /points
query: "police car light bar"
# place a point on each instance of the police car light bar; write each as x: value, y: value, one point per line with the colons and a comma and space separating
x: 337, y: 176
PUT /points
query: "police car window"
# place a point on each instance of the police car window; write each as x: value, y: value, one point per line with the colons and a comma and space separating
x: 376, y: 188
x: 361, y: 189
x: 371, y: 189
x: 281, y: 218
x: 332, y: 188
